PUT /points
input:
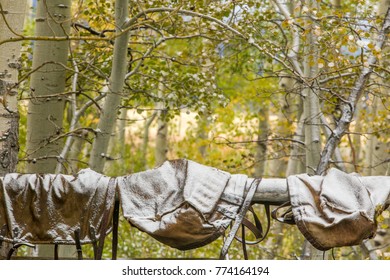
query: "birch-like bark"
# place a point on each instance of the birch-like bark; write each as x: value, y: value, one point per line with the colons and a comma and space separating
x: 311, y: 112
x: 122, y: 126
x: 117, y: 146
x: 379, y: 151
x: 161, y: 148
x: 145, y: 139
x: 11, y: 24
x: 261, y: 146
x: 45, y: 115
x: 297, y: 159
x: 75, y: 152
x: 292, y: 54
x: 356, y: 137
x: 161, y: 140
x: 376, y: 151
x: 377, y: 158
x: 202, y: 133
x: 337, y: 154
x: 311, y: 106
x: 115, y: 89
x: 74, y: 121
x: 296, y: 162
x: 122, y: 135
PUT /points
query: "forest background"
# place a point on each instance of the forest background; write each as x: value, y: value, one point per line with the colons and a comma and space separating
x: 267, y: 88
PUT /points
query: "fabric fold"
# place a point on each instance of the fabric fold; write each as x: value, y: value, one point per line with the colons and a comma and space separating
x: 338, y: 209
x: 182, y: 204
x: 49, y: 208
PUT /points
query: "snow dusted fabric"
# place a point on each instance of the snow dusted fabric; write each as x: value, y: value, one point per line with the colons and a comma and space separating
x: 338, y: 209
x: 49, y: 208
x: 182, y: 203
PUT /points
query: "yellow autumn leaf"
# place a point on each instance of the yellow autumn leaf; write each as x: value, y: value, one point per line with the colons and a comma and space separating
x: 352, y: 48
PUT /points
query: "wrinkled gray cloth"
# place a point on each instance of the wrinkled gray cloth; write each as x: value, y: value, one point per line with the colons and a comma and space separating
x: 49, y: 208
x: 338, y: 209
x: 182, y: 203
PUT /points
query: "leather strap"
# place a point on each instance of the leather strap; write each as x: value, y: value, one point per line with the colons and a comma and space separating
x: 115, y: 225
x: 256, y: 229
x: 286, y: 217
x: 78, y: 244
x: 257, y: 232
x: 239, y: 217
x: 16, y: 246
x: 245, y: 252
x: 56, y: 252
x: 92, y: 233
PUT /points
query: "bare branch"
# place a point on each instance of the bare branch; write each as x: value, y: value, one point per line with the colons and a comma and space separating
x: 3, y: 13
x: 228, y: 142
x: 349, y: 108
x: 91, y: 30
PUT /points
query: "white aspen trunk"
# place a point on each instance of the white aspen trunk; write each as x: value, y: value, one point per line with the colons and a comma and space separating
x: 261, y: 145
x: 161, y: 141
x: 376, y: 151
x: 202, y: 134
x: 121, y: 136
x: 45, y: 114
x: 312, y: 113
x: 380, y: 152
x: 296, y: 163
x: 311, y: 125
x: 382, y: 7
x: 356, y: 138
x: 311, y: 104
x: 116, y: 145
x: 162, y: 130
x: 288, y: 12
x: 145, y: 140
x: 73, y: 120
x: 372, y: 143
x: 280, y: 163
x: 75, y: 151
x: 122, y: 128
x: 13, y: 13
x: 115, y: 90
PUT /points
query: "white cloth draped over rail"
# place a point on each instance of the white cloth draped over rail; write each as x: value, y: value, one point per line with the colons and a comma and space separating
x: 338, y: 209
x: 185, y: 204
x: 50, y: 208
